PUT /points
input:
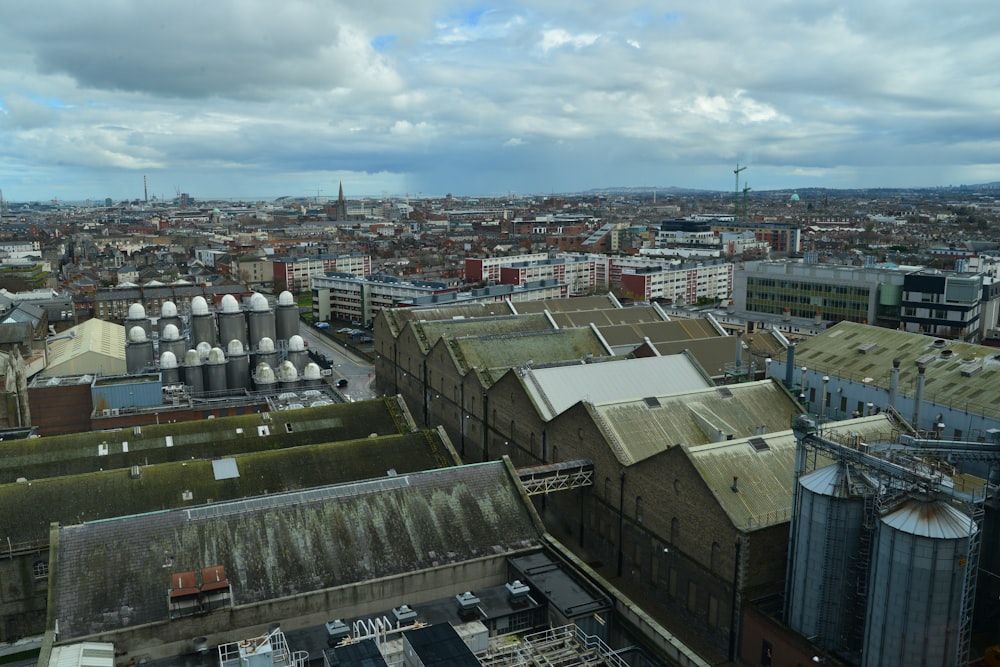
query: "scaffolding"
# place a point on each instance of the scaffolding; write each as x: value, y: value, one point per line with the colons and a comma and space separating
x: 557, y: 476
x: 564, y: 646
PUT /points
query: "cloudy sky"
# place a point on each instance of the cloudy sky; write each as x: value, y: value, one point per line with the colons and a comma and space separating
x: 262, y: 98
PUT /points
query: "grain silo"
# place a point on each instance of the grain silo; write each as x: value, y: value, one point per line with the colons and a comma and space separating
x: 232, y: 323
x: 202, y: 323
x: 918, y: 577
x: 311, y: 375
x: 215, y: 370
x: 171, y: 341
x: 138, y: 350
x: 297, y: 353
x: 169, y: 371
x: 260, y: 320
x: 137, y: 318
x: 288, y: 375
x: 263, y: 378
x: 265, y: 353
x: 168, y: 315
x: 237, y: 366
x: 194, y: 374
x: 286, y: 317
x: 826, y: 534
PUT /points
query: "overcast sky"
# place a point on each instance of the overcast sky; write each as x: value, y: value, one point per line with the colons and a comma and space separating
x: 262, y: 98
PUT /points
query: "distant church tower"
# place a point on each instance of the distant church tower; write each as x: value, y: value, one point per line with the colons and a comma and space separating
x: 341, y: 204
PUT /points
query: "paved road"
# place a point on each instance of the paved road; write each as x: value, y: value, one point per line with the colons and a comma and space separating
x: 358, y: 371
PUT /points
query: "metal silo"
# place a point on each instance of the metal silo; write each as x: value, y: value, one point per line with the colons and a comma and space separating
x: 170, y: 374
x: 232, y: 323
x: 215, y: 370
x: 263, y: 378
x: 194, y: 374
x: 265, y: 353
x: 917, y: 580
x: 137, y: 318
x: 171, y: 341
x: 286, y: 319
x: 288, y: 375
x: 138, y: 351
x: 826, y: 535
x: 168, y: 315
x: 202, y: 323
x: 297, y: 353
x: 311, y: 375
x: 260, y: 320
x: 237, y: 366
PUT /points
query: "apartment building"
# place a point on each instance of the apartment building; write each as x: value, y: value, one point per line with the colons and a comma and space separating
x: 295, y: 273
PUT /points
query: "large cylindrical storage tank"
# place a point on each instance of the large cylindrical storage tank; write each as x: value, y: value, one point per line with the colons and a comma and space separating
x: 311, y: 375
x: 215, y: 370
x: 264, y: 378
x: 288, y: 375
x: 237, y: 366
x: 265, y: 353
x: 202, y: 323
x: 168, y: 315
x: 170, y: 374
x: 297, y: 353
x: 194, y: 375
x: 826, y: 535
x: 137, y: 318
x: 138, y: 351
x: 171, y: 341
x: 286, y: 318
x: 918, y: 572
x: 232, y: 323
x: 260, y: 320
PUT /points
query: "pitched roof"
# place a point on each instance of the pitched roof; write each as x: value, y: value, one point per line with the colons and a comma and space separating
x: 105, y: 338
x: 286, y: 544
x: 952, y: 377
x: 555, y: 389
x: 638, y: 429
x: 494, y: 355
x: 429, y: 332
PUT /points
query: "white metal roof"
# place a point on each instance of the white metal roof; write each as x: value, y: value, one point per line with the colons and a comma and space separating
x: 556, y: 389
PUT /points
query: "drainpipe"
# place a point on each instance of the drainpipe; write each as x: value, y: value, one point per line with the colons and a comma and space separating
x: 621, y: 524
x: 822, y: 400
x: 735, y: 618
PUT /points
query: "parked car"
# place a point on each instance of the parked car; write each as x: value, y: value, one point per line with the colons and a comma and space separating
x: 341, y: 383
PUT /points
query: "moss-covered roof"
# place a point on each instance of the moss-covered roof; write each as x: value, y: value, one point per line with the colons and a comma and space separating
x: 607, y: 316
x: 497, y: 354
x: 638, y: 429
x: 398, y: 317
x: 429, y: 332
x: 29, y: 508
x: 284, y: 545
x: 658, y: 331
x: 76, y: 453
x: 567, y: 305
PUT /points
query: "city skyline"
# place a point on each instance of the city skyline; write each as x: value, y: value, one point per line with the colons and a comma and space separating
x: 236, y: 99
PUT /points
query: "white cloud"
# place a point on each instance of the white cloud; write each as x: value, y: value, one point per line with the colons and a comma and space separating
x: 556, y: 37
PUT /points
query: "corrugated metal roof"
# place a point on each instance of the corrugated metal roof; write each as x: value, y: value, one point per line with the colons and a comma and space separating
x: 503, y: 352
x: 766, y: 478
x: 429, y: 332
x: 553, y: 390
x: 658, y: 331
x: 836, y: 352
x: 105, y: 338
x: 607, y: 316
x: 286, y: 548
x: 637, y: 431
x: 934, y: 519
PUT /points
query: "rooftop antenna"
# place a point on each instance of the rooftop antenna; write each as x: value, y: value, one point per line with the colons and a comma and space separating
x: 736, y: 192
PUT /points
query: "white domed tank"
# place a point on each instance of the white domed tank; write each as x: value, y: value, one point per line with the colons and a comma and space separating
x: 311, y: 375
x: 237, y: 366
x: 170, y: 373
x: 137, y: 318
x: 263, y: 378
x: 168, y: 316
x: 138, y: 351
x: 215, y: 371
x: 202, y: 322
x: 917, y: 577
x: 171, y: 341
x: 288, y: 375
x: 232, y: 323
x: 286, y: 318
x: 825, y: 538
x: 266, y: 354
x: 260, y: 320
x: 194, y: 375
x: 204, y: 349
x: 297, y: 353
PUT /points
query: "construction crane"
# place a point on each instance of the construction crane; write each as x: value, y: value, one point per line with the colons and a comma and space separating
x: 736, y: 192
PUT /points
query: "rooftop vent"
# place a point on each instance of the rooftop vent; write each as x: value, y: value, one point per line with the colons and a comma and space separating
x: 652, y: 402
x: 759, y: 444
x: 866, y: 348
x: 517, y: 590
x: 724, y: 392
x: 404, y: 613
x: 467, y: 601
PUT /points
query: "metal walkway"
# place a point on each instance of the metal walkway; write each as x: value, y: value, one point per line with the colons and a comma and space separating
x: 557, y: 476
